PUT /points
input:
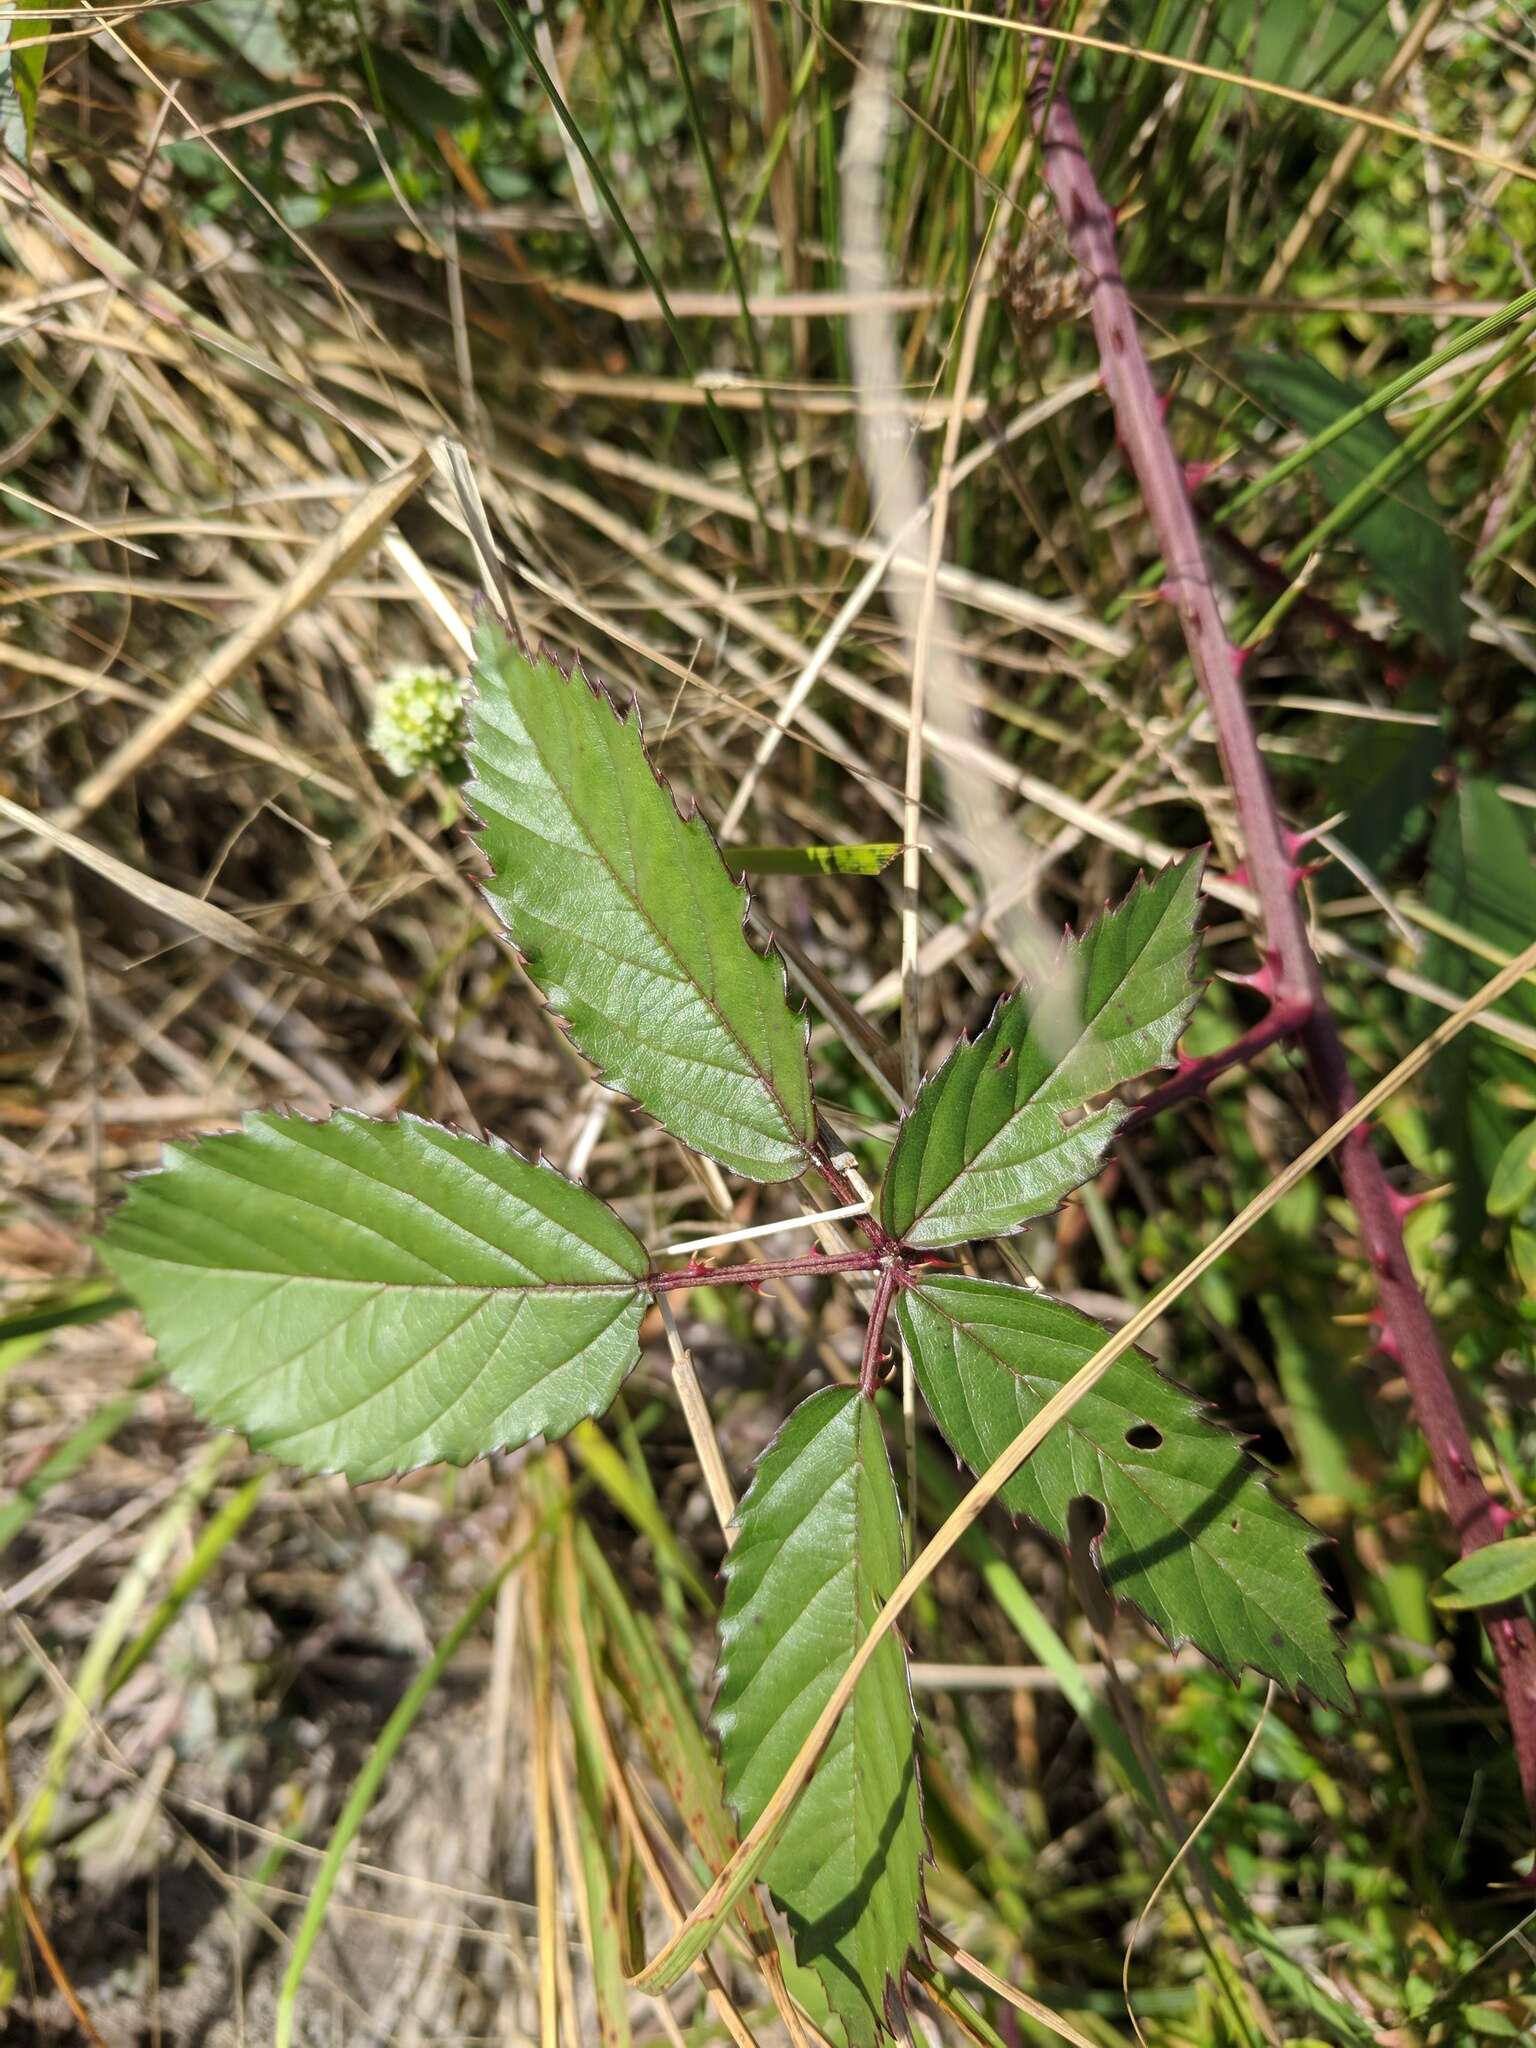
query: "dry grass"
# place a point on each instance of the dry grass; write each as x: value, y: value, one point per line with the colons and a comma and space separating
x: 232, y: 507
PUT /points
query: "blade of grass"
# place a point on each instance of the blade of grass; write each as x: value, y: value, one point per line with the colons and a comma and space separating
x: 92, y: 1681
x: 365, y: 1787
x: 706, y: 156
x: 215, y: 1539
x: 568, y: 121
x: 1186, y: 67
x: 98, y: 1428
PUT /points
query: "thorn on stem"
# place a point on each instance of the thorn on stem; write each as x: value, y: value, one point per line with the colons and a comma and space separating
x: 1403, y: 1206
x: 1265, y: 979
x: 1386, y: 1337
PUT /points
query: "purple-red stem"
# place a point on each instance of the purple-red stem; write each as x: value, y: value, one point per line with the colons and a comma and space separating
x: 757, y: 1271
x: 1283, y: 1020
x: 847, y: 1194
x: 874, y: 1335
x: 1407, y: 1330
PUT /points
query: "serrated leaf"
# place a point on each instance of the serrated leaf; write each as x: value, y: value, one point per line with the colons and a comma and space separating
x: 871, y: 859
x: 985, y: 1147
x: 365, y: 1297
x: 1403, y: 534
x: 628, y: 920
x: 818, y: 1551
x: 1192, y: 1534
x: 1490, y: 1576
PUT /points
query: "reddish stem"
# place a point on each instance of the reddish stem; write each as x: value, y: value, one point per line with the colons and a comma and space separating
x: 847, y: 1194
x: 874, y: 1335
x: 1284, y: 1020
x: 1406, y: 1324
x: 755, y: 1273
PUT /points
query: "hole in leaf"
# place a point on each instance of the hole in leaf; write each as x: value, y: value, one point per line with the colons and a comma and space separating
x: 1004, y: 1057
x: 1087, y: 1519
x: 1144, y: 1436
x: 1236, y: 1522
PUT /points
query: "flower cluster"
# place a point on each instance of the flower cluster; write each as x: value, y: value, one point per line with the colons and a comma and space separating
x: 418, y: 719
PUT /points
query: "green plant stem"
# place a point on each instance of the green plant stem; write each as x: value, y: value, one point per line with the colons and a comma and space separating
x: 572, y: 127
x: 706, y: 158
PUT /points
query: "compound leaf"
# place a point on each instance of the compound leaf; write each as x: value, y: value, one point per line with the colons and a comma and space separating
x: 365, y: 1297
x: 818, y: 1549
x: 628, y: 920
x: 1192, y: 1534
x: 985, y: 1146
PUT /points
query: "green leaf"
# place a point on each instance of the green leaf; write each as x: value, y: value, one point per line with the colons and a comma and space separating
x: 1522, y: 1257
x: 1192, y: 1534
x: 23, y: 58
x: 1482, y: 877
x: 1514, y: 1178
x: 1490, y: 1576
x: 627, y: 919
x: 1383, y: 782
x: 365, y: 1297
x: 1403, y: 534
x: 984, y: 1147
x: 818, y: 1550
x: 871, y: 859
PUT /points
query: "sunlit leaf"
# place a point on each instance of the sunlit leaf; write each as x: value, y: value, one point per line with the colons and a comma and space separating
x: 817, y: 1552
x: 1191, y: 1532
x: 872, y: 859
x: 998, y: 1134
x: 365, y: 1297
x: 628, y: 920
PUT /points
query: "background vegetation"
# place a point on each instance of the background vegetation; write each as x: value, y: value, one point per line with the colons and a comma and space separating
x: 432, y: 1747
